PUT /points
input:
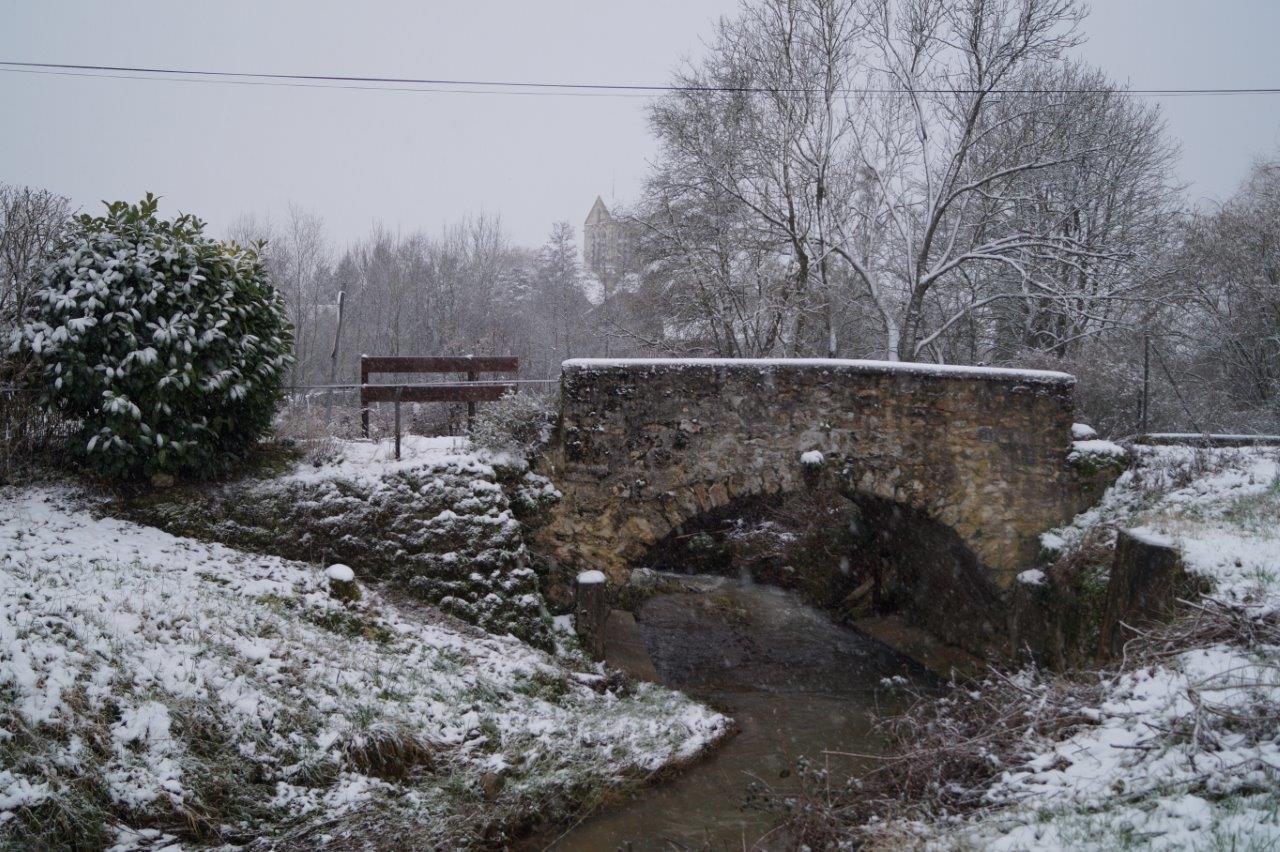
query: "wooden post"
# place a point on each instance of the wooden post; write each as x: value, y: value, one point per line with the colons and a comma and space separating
x: 333, y: 360
x: 364, y: 406
x: 591, y: 611
x: 1146, y: 380
x: 398, y: 390
x: 472, y: 375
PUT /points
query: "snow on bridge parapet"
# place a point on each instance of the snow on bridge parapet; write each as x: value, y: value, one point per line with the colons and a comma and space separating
x: 997, y: 374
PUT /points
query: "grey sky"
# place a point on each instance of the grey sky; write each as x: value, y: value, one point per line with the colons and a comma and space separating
x: 415, y: 160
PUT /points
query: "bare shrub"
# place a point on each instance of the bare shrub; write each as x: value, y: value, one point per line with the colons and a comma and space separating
x: 391, y: 754
x: 516, y: 424
x: 27, y: 431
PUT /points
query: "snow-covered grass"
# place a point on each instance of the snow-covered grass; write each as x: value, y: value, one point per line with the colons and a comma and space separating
x: 1219, y: 506
x: 1177, y: 746
x: 155, y: 686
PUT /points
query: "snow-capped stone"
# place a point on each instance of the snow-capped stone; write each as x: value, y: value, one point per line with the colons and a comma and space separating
x: 587, y: 578
x: 1097, y: 447
x: 1052, y: 542
x: 813, y: 458
x: 1083, y: 432
x: 340, y: 573
x: 1033, y: 577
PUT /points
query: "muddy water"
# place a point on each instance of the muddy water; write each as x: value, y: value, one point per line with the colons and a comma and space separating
x: 796, y: 683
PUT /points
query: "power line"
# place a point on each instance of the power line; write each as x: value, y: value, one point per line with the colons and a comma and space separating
x: 300, y: 85
x: 546, y: 88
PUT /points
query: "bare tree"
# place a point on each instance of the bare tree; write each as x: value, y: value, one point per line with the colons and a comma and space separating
x: 31, y: 223
x: 751, y: 142
x: 932, y: 94
x: 1110, y: 201
x: 298, y: 259
x: 914, y: 171
x: 1230, y: 267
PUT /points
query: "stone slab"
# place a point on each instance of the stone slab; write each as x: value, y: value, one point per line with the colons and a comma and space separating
x: 624, y: 647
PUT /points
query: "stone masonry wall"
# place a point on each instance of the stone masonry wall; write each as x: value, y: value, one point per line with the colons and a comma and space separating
x: 644, y: 445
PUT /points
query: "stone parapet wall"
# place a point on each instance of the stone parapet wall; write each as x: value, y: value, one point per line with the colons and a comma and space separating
x: 642, y: 446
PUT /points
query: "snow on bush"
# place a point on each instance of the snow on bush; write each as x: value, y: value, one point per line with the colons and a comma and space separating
x: 1199, y: 725
x: 168, y: 346
x: 444, y: 520
x: 155, y: 688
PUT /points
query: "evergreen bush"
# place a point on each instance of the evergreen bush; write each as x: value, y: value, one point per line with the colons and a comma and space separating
x: 168, y: 346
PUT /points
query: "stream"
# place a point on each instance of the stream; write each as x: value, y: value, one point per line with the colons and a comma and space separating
x: 795, y: 682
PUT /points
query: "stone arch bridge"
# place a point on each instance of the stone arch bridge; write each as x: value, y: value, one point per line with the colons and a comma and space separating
x: 645, y: 445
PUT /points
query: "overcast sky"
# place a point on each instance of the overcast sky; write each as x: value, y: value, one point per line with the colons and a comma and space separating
x: 418, y: 160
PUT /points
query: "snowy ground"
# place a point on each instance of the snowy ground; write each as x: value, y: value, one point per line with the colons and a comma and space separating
x: 152, y: 685
x: 1185, y: 752
x: 369, y: 461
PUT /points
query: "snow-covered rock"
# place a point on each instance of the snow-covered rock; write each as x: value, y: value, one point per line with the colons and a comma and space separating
x: 340, y: 573
x: 1083, y: 432
x: 812, y: 458
x: 1097, y: 447
x: 1033, y: 577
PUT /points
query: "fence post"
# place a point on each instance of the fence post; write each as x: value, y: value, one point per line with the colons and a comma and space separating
x: 591, y: 612
x: 333, y: 360
x: 472, y: 375
x: 398, y: 392
x: 364, y: 406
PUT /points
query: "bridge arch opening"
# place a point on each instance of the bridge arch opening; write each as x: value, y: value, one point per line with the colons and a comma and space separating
x: 853, y: 554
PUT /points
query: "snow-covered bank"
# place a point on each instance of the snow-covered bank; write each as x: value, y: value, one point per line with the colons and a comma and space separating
x: 157, y: 683
x: 1182, y: 751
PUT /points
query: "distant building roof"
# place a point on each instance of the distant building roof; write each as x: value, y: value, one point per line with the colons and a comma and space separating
x: 599, y: 213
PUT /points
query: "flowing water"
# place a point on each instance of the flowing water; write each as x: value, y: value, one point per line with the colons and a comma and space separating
x: 795, y: 682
